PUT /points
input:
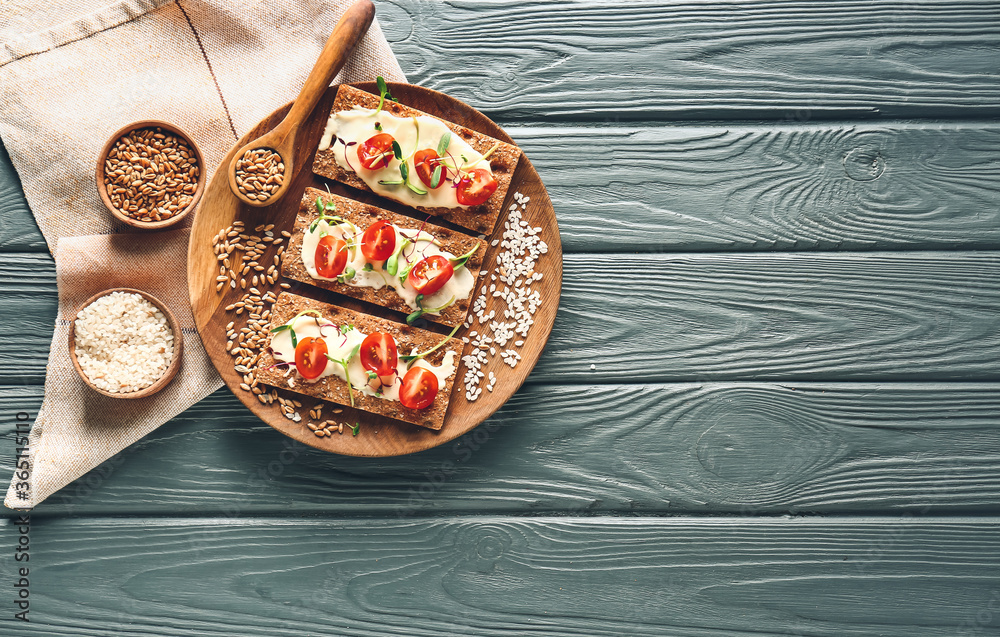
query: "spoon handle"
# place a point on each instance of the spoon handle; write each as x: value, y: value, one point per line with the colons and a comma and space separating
x: 349, y: 30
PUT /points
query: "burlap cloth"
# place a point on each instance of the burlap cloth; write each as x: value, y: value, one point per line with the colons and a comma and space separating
x: 71, y: 73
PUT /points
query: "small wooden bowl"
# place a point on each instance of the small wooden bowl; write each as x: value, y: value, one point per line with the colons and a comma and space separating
x: 162, y: 381
x: 103, y: 191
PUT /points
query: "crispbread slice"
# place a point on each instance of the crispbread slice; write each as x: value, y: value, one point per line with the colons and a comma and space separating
x: 334, y: 389
x: 363, y: 215
x: 503, y: 161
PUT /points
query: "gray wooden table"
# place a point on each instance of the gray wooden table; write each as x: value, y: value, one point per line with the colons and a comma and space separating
x: 780, y: 222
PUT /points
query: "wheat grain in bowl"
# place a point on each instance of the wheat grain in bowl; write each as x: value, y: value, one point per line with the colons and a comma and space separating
x: 149, y: 175
x: 123, y: 343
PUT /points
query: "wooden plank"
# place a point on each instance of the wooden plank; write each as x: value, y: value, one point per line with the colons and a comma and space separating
x: 512, y: 576
x: 18, y: 231
x: 737, y: 448
x: 704, y: 188
x: 676, y: 189
x: 782, y: 60
x: 672, y: 318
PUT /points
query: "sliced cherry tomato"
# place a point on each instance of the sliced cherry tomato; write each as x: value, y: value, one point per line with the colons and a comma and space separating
x: 331, y: 257
x: 429, y: 275
x: 379, y: 241
x: 425, y: 161
x: 378, y: 353
x: 376, y: 152
x: 419, y: 388
x: 310, y: 357
x: 475, y: 187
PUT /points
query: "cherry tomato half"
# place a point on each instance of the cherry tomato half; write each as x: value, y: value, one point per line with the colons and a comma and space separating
x: 331, y: 257
x: 419, y: 388
x: 429, y: 275
x: 376, y: 152
x: 310, y: 357
x: 475, y: 187
x: 378, y: 242
x: 378, y: 353
x: 425, y: 161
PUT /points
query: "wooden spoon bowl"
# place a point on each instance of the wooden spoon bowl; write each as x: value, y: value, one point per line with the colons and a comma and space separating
x: 283, y: 138
x: 102, y: 188
x: 162, y: 381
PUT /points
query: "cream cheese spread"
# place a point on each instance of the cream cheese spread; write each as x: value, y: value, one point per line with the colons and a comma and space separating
x: 413, y: 134
x: 420, y: 246
x: 340, y: 344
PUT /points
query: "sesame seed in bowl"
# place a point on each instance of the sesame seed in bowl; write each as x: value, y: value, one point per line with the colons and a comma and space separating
x: 125, y: 343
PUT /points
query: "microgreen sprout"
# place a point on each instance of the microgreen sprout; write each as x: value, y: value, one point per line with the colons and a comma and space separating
x: 384, y: 93
x: 443, y: 144
x: 459, y: 262
x: 321, y: 208
x: 405, y: 273
x: 355, y: 428
x: 288, y: 326
x: 392, y: 263
x: 436, y: 177
x: 347, y: 372
x: 367, y: 268
x: 411, y: 358
x: 347, y: 155
x: 347, y: 275
x: 428, y: 310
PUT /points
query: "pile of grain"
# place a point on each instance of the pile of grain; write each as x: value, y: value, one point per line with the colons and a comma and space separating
x: 123, y: 342
x: 259, y: 173
x: 151, y: 174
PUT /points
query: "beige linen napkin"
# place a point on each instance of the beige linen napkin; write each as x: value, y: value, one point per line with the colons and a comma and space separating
x: 74, y: 71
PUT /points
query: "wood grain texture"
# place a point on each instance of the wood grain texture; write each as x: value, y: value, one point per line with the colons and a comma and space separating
x: 740, y: 188
x: 753, y: 188
x: 665, y: 318
x: 18, y: 232
x: 784, y: 60
x: 551, y: 577
x: 739, y: 448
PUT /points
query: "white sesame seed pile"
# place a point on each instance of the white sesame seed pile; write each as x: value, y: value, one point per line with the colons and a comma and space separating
x: 510, y: 282
x: 123, y: 342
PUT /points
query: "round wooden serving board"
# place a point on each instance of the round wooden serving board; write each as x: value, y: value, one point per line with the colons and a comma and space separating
x: 378, y: 436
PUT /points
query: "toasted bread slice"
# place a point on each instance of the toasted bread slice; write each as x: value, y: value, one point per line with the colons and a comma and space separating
x: 335, y: 389
x: 503, y: 161
x: 363, y: 215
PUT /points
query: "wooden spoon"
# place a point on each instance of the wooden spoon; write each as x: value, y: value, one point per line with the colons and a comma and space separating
x: 282, y: 138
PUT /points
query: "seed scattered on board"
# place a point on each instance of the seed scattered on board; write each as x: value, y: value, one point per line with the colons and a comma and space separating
x: 521, y: 246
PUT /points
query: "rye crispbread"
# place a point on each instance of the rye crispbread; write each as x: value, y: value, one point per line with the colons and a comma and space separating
x: 334, y: 389
x: 363, y: 215
x: 503, y: 161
